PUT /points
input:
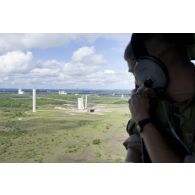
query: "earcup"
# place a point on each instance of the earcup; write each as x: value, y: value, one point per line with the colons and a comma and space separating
x: 151, y: 73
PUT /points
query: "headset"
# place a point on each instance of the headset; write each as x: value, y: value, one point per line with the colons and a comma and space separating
x: 149, y: 71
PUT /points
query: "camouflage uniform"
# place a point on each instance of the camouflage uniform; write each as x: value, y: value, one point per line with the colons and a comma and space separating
x: 182, y: 118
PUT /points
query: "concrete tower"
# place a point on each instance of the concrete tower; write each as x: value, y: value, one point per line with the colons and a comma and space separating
x: 34, y: 100
x: 86, y: 102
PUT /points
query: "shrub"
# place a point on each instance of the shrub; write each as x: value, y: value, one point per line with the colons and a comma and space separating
x: 96, y: 141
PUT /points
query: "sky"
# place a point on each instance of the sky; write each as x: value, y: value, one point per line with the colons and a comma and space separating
x: 64, y: 61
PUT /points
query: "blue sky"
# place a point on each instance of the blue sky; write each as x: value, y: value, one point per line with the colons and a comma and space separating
x: 77, y: 61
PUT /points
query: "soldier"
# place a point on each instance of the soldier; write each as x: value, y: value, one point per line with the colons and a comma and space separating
x: 162, y: 128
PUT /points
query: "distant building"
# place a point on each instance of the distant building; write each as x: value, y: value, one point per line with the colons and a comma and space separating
x: 80, y: 104
x: 122, y: 96
x: 20, y: 92
x: 62, y: 93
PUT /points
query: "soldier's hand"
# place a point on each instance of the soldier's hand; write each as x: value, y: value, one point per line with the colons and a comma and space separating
x: 139, y: 105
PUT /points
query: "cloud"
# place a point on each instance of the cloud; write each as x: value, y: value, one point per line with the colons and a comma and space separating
x: 11, y: 42
x: 121, y: 37
x: 19, y: 41
x: 84, y: 60
x: 15, y: 62
x: 86, y: 69
x: 82, y: 53
x: 92, y: 37
x: 52, y: 73
x: 88, y: 55
x: 49, y: 64
x: 109, y: 72
x: 44, y: 72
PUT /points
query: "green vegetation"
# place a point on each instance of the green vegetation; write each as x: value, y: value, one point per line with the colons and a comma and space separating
x: 96, y: 141
x: 62, y: 135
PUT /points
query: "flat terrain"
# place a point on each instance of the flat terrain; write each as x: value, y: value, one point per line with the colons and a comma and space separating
x: 58, y: 132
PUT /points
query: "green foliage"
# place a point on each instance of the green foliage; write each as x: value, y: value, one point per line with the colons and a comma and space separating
x: 51, y: 135
x: 108, y: 126
x: 72, y: 149
x: 96, y: 141
x: 122, y: 101
x: 119, y: 160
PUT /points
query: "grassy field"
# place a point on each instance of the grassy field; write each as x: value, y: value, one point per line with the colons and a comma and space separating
x: 60, y: 135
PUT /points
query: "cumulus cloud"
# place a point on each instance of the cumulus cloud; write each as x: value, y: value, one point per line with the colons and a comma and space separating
x: 121, y: 37
x: 10, y: 42
x: 86, y: 69
x: 85, y: 60
x: 53, y: 64
x: 44, y: 72
x: 88, y: 55
x: 109, y: 72
x: 15, y: 62
x: 82, y: 53
x: 19, y: 41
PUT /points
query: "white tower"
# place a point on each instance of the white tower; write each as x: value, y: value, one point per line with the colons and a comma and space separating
x: 86, y: 102
x: 34, y: 100
x: 80, y: 104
